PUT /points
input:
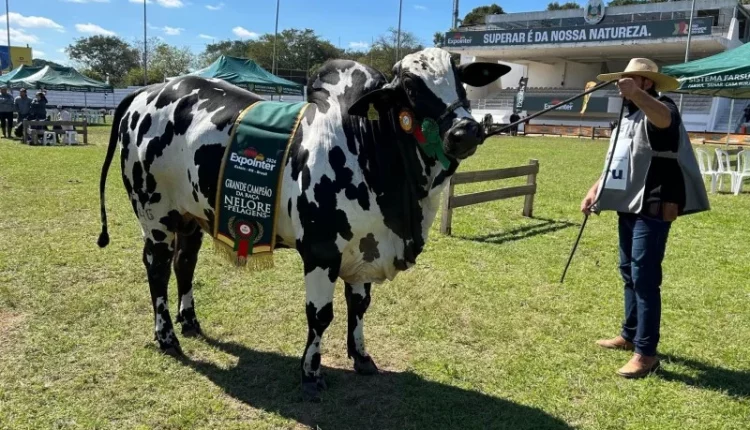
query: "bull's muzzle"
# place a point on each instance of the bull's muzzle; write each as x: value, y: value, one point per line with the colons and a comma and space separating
x: 462, y: 139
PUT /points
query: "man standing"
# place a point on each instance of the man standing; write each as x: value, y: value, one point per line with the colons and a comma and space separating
x: 23, y: 105
x: 6, y: 111
x: 653, y: 179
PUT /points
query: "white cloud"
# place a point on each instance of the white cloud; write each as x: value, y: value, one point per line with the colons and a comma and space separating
x: 205, y: 36
x: 359, y: 45
x: 244, y: 33
x: 32, y: 21
x: 169, y: 31
x: 94, y: 29
x: 61, y: 50
x: 38, y: 54
x: 216, y: 7
x: 420, y: 7
x: 86, y: 1
x: 172, y: 31
x: 170, y: 3
x: 18, y: 37
x: 162, y: 3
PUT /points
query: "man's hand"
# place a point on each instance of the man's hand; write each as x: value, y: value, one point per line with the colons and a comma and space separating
x: 587, y: 202
x: 589, y: 199
x: 628, y: 88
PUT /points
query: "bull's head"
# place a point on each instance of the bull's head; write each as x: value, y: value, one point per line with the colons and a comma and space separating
x: 429, y: 84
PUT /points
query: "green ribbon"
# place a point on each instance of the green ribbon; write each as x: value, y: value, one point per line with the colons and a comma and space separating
x: 433, y: 144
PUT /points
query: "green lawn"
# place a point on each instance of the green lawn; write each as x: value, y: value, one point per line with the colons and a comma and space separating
x: 478, y: 335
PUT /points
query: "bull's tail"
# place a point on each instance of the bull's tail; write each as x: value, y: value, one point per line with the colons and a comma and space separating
x: 113, y: 138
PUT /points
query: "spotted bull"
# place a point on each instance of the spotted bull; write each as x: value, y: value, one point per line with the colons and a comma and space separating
x: 358, y: 195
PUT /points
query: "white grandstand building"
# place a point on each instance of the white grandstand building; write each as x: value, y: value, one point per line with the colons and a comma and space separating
x: 560, y: 51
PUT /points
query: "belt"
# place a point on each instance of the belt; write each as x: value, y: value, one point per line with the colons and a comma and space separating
x: 665, y: 211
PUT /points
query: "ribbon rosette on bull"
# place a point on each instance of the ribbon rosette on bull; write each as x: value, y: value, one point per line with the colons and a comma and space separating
x: 245, y: 234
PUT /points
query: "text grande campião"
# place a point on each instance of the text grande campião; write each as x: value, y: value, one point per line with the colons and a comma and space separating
x: 570, y: 35
x: 244, y: 200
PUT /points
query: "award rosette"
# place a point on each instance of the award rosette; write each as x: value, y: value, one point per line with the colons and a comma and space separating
x: 249, y: 183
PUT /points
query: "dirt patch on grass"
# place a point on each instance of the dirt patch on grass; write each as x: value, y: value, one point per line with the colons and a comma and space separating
x: 9, y: 324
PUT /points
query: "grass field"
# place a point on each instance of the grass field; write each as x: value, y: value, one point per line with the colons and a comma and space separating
x: 478, y: 335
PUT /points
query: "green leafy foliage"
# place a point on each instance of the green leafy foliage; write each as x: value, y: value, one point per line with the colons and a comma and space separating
x: 104, y: 55
x: 564, y: 6
x: 476, y: 15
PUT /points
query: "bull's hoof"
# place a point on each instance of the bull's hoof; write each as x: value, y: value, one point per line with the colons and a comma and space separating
x: 365, y: 366
x: 192, y: 330
x: 311, y: 392
x: 173, y: 350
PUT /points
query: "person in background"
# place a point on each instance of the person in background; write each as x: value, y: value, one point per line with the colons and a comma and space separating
x: 6, y: 111
x: 23, y: 105
x: 513, y: 118
x: 63, y: 115
x: 38, y: 109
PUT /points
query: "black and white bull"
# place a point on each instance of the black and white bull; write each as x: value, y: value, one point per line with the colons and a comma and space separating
x: 358, y: 195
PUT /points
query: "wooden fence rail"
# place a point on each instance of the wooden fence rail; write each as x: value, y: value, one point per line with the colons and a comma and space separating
x: 452, y: 201
x: 36, y: 133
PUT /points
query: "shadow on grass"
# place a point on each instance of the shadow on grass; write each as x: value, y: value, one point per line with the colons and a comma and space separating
x: 735, y: 383
x: 520, y: 233
x: 269, y: 381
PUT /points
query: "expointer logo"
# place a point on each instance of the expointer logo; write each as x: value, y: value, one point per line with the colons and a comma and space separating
x: 459, y: 39
x: 252, y: 158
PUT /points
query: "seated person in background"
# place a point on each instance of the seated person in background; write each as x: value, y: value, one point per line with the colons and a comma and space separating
x: 63, y: 115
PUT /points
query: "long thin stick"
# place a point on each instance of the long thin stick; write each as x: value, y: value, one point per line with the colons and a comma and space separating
x: 575, y: 246
x: 604, y: 182
x: 542, y: 112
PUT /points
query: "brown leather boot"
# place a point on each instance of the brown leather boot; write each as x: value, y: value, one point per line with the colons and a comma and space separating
x: 616, y: 343
x: 639, y: 366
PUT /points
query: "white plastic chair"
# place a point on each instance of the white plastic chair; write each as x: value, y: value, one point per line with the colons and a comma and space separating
x: 724, y: 168
x: 705, y: 164
x: 743, y: 170
x: 71, y: 138
x: 49, y: 138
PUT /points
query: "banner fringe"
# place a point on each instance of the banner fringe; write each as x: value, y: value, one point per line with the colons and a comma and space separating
x: 261, y: 261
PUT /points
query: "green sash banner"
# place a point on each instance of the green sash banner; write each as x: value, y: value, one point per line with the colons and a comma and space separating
x: 249, y: 186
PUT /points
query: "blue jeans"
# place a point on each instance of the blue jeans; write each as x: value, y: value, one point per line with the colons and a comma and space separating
x: 643, y: 241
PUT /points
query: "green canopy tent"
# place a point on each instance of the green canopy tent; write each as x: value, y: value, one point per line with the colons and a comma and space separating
x: 60, y: 79
x: 248, y: 74
x: 726, y: 74
x: 19, y: 72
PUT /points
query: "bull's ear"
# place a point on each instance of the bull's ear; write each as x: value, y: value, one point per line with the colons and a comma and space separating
x: 481, y: 74
x: 382, y: 99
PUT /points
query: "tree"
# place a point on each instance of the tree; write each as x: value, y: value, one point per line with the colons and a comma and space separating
x: 170, y: 60
x: 476, y: 16
x: 564, y: 6
x: 383, y: 51
x: 295, y: 50
x: 438, y: 39
x: 134, y: 77
x: 232, y: 48
x: 38, y: 62
x: 104, y: 55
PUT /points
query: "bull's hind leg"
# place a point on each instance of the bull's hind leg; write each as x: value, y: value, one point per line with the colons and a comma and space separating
x: 157, y: 257
x: 188, y: 246
x: 357, y: 302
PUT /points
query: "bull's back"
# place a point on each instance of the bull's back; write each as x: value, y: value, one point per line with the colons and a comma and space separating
x: 173, y: 137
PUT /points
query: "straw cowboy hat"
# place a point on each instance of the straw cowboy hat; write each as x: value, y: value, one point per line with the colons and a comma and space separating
x: 647, y: 69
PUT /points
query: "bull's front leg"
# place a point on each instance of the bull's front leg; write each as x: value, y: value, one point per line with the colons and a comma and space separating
x: 357, y: 302
x: 319, y: 287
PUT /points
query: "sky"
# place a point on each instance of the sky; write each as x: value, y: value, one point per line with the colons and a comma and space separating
x: 48, y: 26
